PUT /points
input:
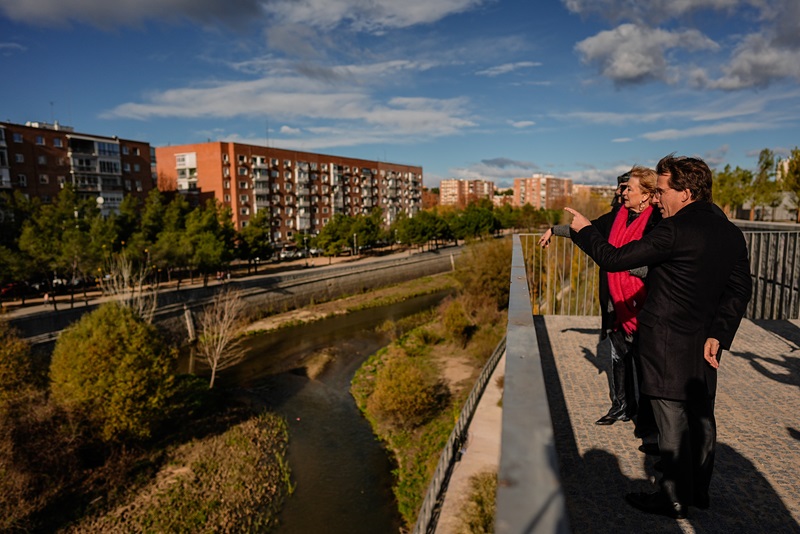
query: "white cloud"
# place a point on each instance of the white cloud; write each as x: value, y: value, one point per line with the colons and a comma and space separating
x: 521, y: 124
x: 104, y: 14
x: 650, y: 11
x: 632, y: 54
x: 363, y: 15
x: 7, y: 49
x: 366, y: 15
x: 711, y: 129
x: 619, y: 119
x: 622, y: 140
x: 756, y: 62
x: 300, y: 100
x: 501, y: 171
x: 506, y: 68
x: 288, y: 130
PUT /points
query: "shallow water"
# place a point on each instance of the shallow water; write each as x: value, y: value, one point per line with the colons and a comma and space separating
x: 343, y: 474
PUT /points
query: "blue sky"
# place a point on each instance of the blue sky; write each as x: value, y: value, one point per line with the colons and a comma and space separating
x: 490, y: 89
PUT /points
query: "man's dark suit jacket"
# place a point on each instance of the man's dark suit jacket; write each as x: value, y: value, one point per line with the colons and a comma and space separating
x: 698, y: 286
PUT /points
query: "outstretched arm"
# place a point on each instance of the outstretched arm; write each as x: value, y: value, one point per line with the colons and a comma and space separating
x: 579, y: 222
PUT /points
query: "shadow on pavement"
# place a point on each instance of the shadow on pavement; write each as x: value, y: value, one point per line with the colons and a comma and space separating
x: 742, y: 500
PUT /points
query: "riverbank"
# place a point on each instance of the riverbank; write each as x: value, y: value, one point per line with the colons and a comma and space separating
x: 348, y: 304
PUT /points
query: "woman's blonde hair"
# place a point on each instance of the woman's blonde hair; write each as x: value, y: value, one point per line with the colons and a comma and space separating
x: 647, y: 178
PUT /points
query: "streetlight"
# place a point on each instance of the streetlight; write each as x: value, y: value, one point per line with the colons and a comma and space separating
x: 355, y: 245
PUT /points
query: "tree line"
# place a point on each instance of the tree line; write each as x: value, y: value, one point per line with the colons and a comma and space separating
x: 68, y: 242
x: 763, y: 188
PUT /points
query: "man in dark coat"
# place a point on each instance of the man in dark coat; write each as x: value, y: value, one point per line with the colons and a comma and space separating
x: 698, y: 288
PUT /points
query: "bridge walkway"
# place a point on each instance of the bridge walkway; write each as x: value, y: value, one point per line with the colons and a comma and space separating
x: 756, y: 485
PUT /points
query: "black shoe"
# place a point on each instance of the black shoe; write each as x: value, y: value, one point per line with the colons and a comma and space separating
x: 606, y: 420
x: 657, y: 503
x: 650, y: 448
x: 610, y: 419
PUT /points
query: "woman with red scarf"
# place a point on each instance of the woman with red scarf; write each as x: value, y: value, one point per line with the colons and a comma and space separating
x: 622, y: 294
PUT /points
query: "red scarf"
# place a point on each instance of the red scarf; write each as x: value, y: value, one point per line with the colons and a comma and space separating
x: 627, y: 291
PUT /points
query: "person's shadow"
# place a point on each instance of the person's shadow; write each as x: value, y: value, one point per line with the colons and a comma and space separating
x: 594, y: 485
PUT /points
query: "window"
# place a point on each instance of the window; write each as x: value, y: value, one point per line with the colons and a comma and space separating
x: 242, y: 171
x: 244, y: 198
x: 125, y: 151
x: 44, y: 179
x: 39, y: 140
x: 136, y: 167
x: 109, y: 167
x: 242, y: 185
x: 19, y: 158
x: 226, y: 172
x: 41, y: 160
x: 227, y: 198
x: 17, y: 137
x: 244, y: 223
x: 22, y: 180
x: 136, y: 152
x: 61, y: 180
x: 226, y: 184
x: 244, y: 211
x: 127, y: 167
x: 139, y: 185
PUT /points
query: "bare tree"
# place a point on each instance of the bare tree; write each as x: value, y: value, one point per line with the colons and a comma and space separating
x: 219, y: 343
x: 128, y: 284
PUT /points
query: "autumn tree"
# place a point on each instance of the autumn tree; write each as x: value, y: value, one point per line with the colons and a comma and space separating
x: 790, y: 179
x: 730, y: 188
x: 764, y: 190
x: 219, y: 342
x: 254, y: 240
x: 15, y: 362
x: 115, y: 371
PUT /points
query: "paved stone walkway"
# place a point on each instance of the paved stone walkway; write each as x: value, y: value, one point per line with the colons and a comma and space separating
x: 756, y: 485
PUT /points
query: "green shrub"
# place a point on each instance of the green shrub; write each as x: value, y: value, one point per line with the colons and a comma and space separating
x: 484, y: 269
x: 477, y: 516
x: 115, y: 370
x: 406, y: 391
x: 15, y: 366
x: 457, y: 324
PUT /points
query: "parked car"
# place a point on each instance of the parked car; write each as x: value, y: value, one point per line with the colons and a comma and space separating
x: 289, y: 254
x: 14, y: 290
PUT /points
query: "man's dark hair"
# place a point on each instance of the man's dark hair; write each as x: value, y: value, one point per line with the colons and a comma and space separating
x: 687, y: 173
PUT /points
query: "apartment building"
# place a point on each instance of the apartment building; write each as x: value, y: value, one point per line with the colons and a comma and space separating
x: 301, y: 191
x: 464, y: 192
x: 38, y: 158
x: 542, y: 191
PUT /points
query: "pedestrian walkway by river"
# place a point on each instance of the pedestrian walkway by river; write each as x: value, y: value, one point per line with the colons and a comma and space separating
x: 755, y: 487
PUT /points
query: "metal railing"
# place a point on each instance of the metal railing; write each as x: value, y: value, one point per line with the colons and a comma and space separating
x: 434, y: 497
x: 562, y: 279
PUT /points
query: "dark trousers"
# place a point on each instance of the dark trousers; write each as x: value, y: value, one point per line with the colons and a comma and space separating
x: 687, y: 439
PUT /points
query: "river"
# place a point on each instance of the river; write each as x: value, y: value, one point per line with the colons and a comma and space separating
x: 342, y: 473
